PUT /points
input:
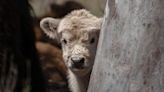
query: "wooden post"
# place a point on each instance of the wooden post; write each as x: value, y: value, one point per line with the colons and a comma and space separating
x: 130, y: 55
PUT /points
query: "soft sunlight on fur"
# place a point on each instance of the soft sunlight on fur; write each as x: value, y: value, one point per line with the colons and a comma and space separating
x: 78, y: 33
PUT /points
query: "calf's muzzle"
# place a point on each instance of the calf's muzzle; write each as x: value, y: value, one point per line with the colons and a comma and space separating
x: 77, y: 62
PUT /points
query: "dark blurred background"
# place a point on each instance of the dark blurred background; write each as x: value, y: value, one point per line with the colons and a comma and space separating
x: 29, y: 60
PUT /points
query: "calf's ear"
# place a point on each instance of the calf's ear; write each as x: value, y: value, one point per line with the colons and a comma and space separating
x: 100, y: 21
x: 96, y: 25
x: 50, y: 27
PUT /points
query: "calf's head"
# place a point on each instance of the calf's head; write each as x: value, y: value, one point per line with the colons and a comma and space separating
x: 78, y: 33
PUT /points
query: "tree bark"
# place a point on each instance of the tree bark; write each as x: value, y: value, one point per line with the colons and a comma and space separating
x: 130, y: 54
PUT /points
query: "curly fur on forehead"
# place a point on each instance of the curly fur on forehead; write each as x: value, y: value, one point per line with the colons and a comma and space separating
x: 79, y: 20
x: 83, y: 14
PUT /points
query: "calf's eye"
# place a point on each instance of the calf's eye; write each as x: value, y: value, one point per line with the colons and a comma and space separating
x: 65, y: 41
x: 93, y: 40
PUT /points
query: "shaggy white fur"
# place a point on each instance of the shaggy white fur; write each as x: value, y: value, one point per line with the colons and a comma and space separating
x: 78, y: 33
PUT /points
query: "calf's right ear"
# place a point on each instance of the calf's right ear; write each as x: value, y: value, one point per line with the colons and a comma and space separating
x: 50, y: 27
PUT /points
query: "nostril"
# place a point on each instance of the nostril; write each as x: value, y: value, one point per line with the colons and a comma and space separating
x: 82, y: 61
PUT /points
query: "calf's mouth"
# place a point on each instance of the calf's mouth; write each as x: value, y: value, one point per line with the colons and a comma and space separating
x: 77, y: 67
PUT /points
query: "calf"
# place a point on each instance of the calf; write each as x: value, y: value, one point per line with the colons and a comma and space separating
x: 78, y: 32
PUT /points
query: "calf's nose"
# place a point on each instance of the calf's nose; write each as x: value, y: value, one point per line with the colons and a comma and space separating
x: 77, y: 62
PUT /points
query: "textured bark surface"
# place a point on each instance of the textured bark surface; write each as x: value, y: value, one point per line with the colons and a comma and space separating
x: 130, y: 55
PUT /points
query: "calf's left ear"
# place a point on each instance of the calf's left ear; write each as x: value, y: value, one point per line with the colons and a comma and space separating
x: 97, y: 23
x: 98, y: 26
x: 100, y: 21
x: 50, y: 27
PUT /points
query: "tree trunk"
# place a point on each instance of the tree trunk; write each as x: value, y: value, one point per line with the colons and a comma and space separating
x: 130, y: 55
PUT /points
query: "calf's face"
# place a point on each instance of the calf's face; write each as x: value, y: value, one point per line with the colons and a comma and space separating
x: 78, y: 33
x: 79, y: 50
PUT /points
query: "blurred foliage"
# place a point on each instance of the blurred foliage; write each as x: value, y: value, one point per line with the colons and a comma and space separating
x: 27, y: 88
